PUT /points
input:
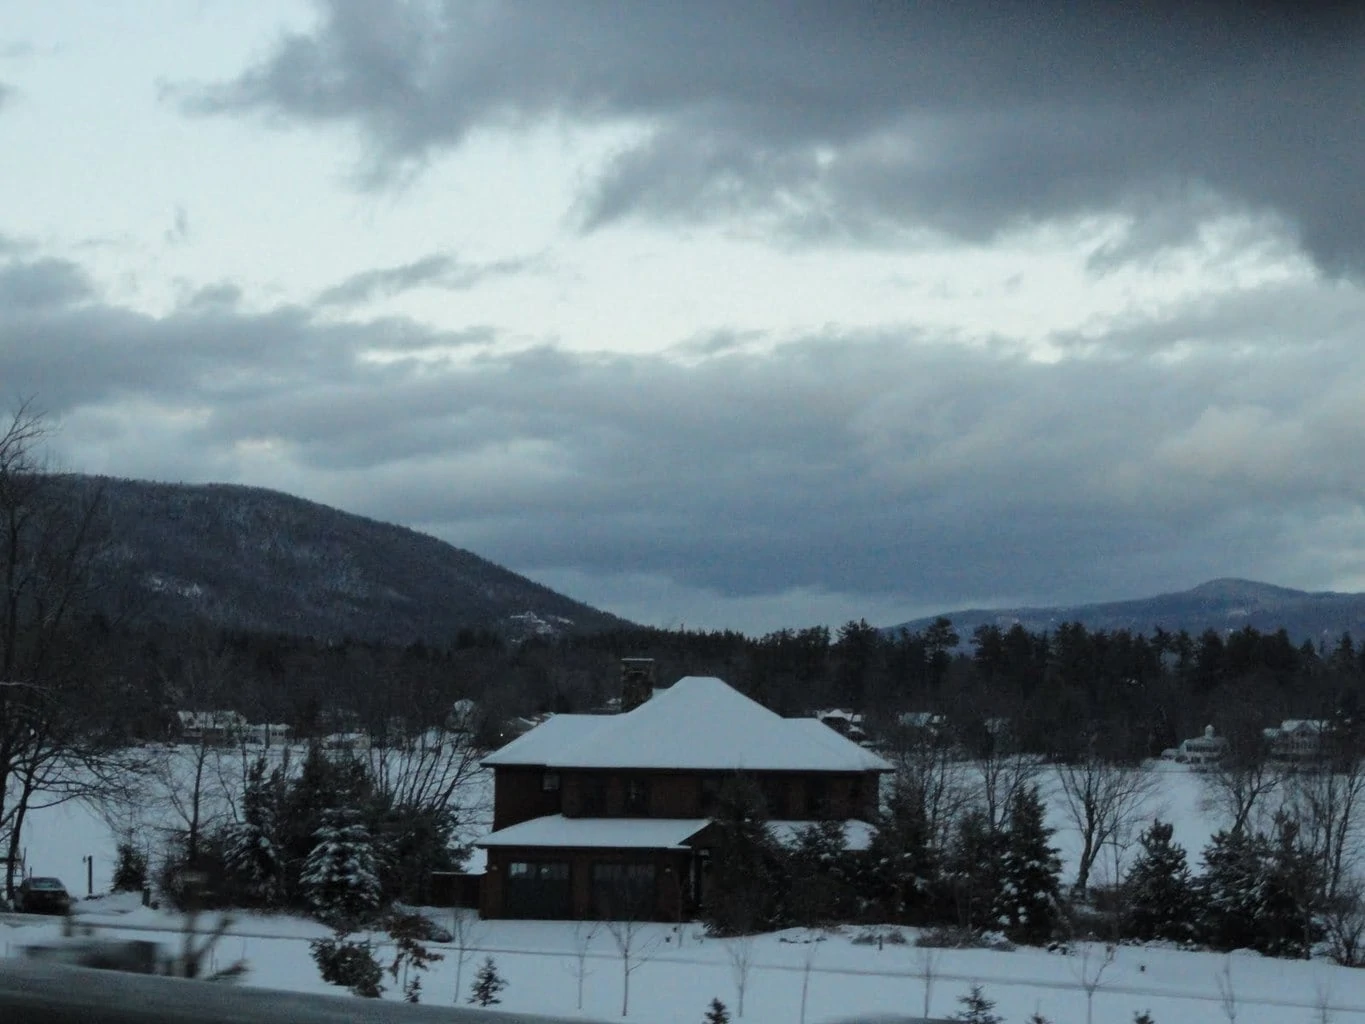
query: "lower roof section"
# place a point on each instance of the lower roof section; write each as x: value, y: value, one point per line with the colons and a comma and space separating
x: 555, y: 830
x: 599, y: 833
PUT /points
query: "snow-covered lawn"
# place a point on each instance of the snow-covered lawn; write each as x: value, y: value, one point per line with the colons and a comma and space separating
x: 847, y: 979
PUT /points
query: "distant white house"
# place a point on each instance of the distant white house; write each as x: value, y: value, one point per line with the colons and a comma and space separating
x: 268, y: 734
x: 927, y: 721
x: 1201, y: 751
x: 1297, y: 739
x: 212, y: 726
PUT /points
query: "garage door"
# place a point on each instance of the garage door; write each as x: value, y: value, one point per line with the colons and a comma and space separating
x: 538, y: 889
x: 623, y: 891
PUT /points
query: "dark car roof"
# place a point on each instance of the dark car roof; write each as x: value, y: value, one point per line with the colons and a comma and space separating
x: 44, y: 883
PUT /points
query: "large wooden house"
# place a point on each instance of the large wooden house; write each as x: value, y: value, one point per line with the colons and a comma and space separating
x: 604, y: 815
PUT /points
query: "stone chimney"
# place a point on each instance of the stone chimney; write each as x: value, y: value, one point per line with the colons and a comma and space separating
x: 637, y: 682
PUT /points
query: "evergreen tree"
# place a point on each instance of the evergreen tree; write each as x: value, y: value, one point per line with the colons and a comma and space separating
x: 821, y: 875
x: 1160, y: 893
x: 1036, y: 1017
x: 1027, y: 904
x: 1145, y: 1017
x: 973, y: 871
x: 716, y: 1013
x: 487, y: 984
x: 976, y: 1008
x: 251, y: 854
x: 1291, y: 894
x: 324, y: 781
x: 1231, y: 889
x: 901, y: 867
x: 747, y: 885
x: 340, y: 878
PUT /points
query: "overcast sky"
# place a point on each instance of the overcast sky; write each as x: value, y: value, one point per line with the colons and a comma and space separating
x: 715, y: 314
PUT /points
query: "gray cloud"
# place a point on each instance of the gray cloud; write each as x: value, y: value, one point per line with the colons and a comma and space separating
x: 437, y: 270
x: 42, y: 283
x: 897, y: 467
x: 850, y: 118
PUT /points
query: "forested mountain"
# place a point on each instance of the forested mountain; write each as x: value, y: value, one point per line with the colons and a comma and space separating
x: 244, y: 558
x: 1220, y: 605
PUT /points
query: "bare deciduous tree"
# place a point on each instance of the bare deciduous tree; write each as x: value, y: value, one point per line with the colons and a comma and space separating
x: 635, y: 944
x: 926, y: 969
x: 56, y: 739
x: 1326, y: 799
x: 1003, y: 772
x: 740, y: 952
x: 583, y: 934
x: 466, y: 932
x: 1227, y: 991
x: 1244, y: 779
x: 929, y: 768
x: 813, y: 940
x: 1089, y: 970
x: 1104, y: 802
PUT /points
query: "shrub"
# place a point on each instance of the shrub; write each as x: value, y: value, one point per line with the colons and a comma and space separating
x: 130, y: 870
x: 352, y: 965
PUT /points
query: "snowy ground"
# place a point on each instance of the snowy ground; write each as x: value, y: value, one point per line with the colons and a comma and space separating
x: 678, y: 979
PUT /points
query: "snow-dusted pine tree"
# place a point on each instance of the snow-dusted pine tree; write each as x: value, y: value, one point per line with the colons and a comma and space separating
x: 977, y: 1009
x: 1159, y: 890
x: 716, y: 1013
x: 1234, y: 864
x: 487, y: 984
x: 252, y: 852
x: 340, y: 878
x: 1027, y: 905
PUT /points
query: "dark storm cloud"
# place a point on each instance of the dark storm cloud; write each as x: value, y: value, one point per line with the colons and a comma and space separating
x: 847, y: 118
x: 437, y: 270
x: 873, y: 464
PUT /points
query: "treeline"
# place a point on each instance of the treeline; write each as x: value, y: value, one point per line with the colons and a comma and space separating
x: 968, y: 871
x: 1059, y: 690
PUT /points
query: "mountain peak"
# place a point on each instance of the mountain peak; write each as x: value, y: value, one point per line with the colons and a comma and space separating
x: 1231, y: 588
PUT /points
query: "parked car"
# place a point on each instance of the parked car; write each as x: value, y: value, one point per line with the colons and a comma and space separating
x: 42, y: 896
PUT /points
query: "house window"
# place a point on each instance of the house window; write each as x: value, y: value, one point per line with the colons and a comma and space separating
x: 592, y: 791
x: 710, y: 794
x: 538, y: 889
x: 623, y: 891
x: 549, y: 782
x: 774, y: 790
x: 817, y: 798
x: 539, y: 870
x: 637, y: 796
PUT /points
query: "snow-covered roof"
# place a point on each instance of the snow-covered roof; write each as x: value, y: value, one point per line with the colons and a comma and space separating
x: 698, y: 724
x: 857, y: 834
x: 541, y: 744
x: 594, y: 833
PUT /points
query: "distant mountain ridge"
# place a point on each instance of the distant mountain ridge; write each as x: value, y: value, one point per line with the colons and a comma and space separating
x: 1222, y: 605
x: 253, y: 559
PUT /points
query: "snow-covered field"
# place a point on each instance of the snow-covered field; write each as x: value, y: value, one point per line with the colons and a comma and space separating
x: 679, y: 978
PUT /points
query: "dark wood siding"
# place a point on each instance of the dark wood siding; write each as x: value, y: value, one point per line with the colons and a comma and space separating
x: 519, y: 794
